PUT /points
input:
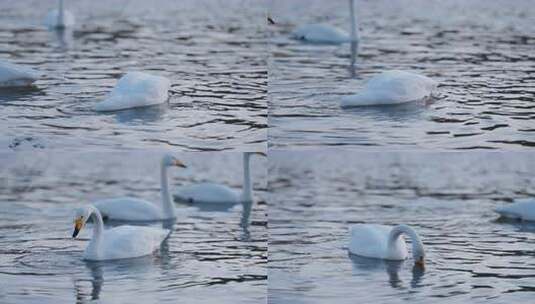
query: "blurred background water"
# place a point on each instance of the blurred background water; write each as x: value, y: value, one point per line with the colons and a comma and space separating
x: 481, y: 53
x: 214, y: 57
x: 471, y: 256
x: 210, y: 256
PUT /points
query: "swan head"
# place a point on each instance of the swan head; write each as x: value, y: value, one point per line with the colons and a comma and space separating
x: 81, y: 215
x: 170, y: 161
x: 256, y: 153
x: 419, y: 259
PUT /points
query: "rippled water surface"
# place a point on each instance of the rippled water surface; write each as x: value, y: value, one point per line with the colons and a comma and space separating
x: 472, y: 257
x: 215, y: 58
x: 210, y: 254
x: 481, y: 53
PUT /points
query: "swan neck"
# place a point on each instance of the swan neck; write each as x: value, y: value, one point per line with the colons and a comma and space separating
x: 247, y: 192
x: 98, y: 229
x: 168, y: 208
x: 354, y: 28
x: 397, y: 231
x: 61, y: 13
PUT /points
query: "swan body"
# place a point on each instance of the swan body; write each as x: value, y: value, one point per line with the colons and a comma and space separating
x: 134, y: 209
x: 385, y: 242
x: 136, y: 89
x: 520, y: 210
x: 208, y: 193
x: 320, y: 33
x: 323, y: 33
x: 12, y: 75
x: 392, y: 87
x: 217, y: 193
x: 59, y: 18
x: 121, y: 242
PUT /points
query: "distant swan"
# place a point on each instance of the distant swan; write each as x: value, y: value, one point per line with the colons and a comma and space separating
x: 392, y: 87
x: 322, y: 33
x: 121, y: 242
x: 385, y: 242
x: 521, y: 210
x: 136, y: 89
x: 134, y: 209
x: 217, y: 193
x: 59, y: 18
x: 13, y: 75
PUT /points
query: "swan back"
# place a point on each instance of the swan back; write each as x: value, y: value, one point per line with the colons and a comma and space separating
x: 136, y: 89
x: 372, y: 241
x: 392, y: 87
x: 320, y: 33
x: 129, y: 209
x: 522, y: 209
x: 207, y: 193
x: 16, y: 75
x: 128, y: 242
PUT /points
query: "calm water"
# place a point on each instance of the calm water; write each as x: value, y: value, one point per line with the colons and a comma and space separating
x: 471, y: 257
x: 210, y: 255
x: 215, y: 58
x: 481, y: 53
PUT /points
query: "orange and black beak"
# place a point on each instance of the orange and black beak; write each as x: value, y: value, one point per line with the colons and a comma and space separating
x: 179, y: 164
x: 78, y: 224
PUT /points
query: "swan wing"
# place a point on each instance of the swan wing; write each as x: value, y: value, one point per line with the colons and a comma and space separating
x: 136, y: 89
x: 372, y: 241
x: 320, y: 33
x: 125, y: 242
x: 207, y: 193
x: 128, y: 209
x: 522, y: 209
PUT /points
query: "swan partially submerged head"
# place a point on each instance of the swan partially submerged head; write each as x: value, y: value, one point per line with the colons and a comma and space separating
x: 171, y: 161
x: 418, y: 252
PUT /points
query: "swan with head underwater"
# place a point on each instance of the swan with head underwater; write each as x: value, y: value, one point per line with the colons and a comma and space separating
x: 134, y: 209
x: 122, y: 242
x: 385, y: 242
x: 134, y: 90
x: 14, y: 75
x: 59, y: 18
x: 323, y: 33
x: 391, y: 88
x: 523, y: 210
x: 210, y: 193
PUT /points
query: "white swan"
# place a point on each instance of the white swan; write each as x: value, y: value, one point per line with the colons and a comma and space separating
x: 522, y: 210
x: 385, y: 242
x: 133, y: 209
x: 136, y: 89
x: 217, y: 193
x: 12, y: 75
x: 322, y: 33
x: 121, y: 242
x: 59, y: 18
x: 392, y: 87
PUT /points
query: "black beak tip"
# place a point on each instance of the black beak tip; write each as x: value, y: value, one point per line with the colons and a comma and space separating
x: 75, y: 233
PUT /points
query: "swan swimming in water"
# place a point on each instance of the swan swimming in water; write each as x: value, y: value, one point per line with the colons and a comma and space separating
x: 121, y: 242
x: 136, y: 89
x: 385, y: 242
x: 521, y: 210
x: 322, y: 33
x: 134, y: 209
x: 13, y: 75
x: 217, y: 193
x: 392, y: 87
x: 59, y: 18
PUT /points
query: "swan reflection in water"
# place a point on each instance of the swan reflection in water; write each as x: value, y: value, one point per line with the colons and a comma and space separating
x: 365, y: 267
